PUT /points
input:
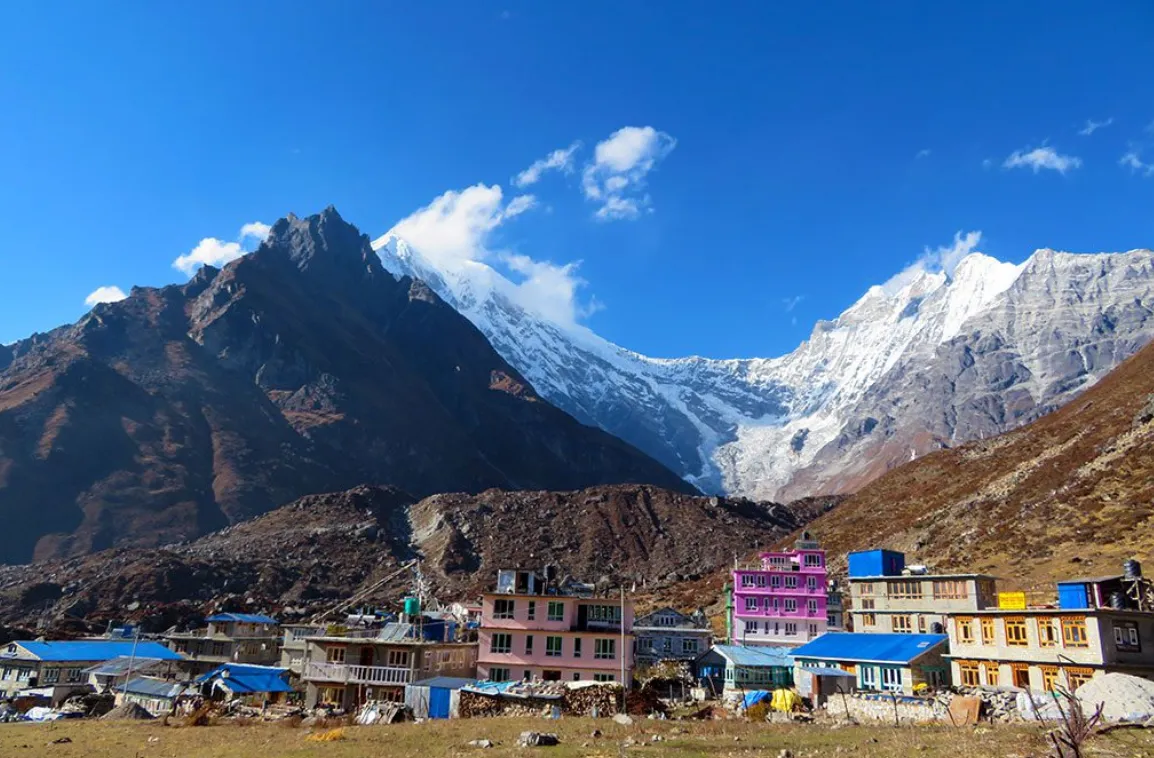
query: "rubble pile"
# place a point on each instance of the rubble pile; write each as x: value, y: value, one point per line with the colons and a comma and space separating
x: 538, y: 698
x: 128, y: 712
x: 997, y: 705
x: 1122, y: 697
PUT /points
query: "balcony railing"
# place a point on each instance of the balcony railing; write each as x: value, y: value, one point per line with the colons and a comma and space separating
x: 346, y: 674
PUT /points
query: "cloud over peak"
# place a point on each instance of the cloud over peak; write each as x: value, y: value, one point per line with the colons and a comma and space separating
x: 108, y: 294
x: 1044, y: 157
x: 615, y: 179
x: 211, y: 251
x: 558, y: 160
x: 933, y: 260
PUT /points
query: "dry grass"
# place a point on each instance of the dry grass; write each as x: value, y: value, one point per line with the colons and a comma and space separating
x: 736, y: 739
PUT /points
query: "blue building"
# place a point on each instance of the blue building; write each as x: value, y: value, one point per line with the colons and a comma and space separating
x: 880, y: 662
x: 726, y: 669
x: 59, y: 669
x: 254, y: 684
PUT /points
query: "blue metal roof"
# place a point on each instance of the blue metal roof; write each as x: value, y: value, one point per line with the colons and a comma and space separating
x: 243, y: 678
x: 874, y: 648
x: 743, y: 655
x: 247, y: 618
x: 445, y: 682
x: 94, y: 650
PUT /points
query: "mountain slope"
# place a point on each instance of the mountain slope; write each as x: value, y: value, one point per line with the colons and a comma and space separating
x: 926, y: 361
x: 302, y: 367
x: 310, y: 554
x: 1068, y: 495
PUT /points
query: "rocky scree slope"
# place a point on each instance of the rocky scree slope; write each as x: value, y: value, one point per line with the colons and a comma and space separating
x: 309, y: 555
x: 1071, y: 494
x: 303, y: 367
x: 928, y: 360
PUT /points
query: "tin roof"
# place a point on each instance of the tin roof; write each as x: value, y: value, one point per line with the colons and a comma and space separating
x: 155, y: 687
x: 122, y: 665
x: 94, y: 650
x: 245, y: 678
x: 872, y: 648
x: 247, y: 618
x: 742, y: 655
x: 445, y: 682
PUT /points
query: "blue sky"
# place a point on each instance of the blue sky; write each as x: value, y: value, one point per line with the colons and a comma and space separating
x: 796, y: 153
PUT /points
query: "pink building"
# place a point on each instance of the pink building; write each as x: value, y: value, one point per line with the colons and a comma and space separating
x: 532, y: 630
x: 782, y: 600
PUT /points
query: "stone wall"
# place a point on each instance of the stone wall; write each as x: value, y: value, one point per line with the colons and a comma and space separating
x: 908, y: 710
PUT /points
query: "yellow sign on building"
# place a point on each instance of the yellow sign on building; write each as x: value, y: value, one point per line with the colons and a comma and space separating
x: 1012, y: 601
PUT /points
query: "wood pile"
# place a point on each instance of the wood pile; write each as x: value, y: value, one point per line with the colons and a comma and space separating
x: 540, y: 698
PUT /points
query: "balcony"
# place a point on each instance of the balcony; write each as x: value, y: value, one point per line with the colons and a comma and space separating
x: 345, y: 674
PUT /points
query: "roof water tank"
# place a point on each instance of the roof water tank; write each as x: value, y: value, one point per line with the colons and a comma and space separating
x: 412, y: 606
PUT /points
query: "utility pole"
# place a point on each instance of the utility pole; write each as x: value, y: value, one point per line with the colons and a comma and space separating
x: 131, y: 661
x: 624, y: 692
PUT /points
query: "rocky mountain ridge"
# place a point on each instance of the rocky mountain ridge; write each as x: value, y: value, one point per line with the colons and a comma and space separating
x: 302, y: 367
x: 927, y: 361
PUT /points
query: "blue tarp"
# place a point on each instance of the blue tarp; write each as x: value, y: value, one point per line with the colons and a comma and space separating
x: 869, y: 648
x: 246, y: 618
x: 94, y: 650
x: 244, y: 679
x: 754, y: 697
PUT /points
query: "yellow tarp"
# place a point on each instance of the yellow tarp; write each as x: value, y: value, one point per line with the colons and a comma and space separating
x: 785, y: 701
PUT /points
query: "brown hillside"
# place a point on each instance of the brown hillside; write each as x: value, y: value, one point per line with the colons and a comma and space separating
x: 1070, y: 494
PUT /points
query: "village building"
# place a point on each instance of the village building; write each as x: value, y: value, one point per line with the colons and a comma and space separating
x: 834, y: 608
x: 1097, y: 628
x: 728, y: 669
x: 229, y: 638
x: 157, y: 696
x: 782, y: 599
x: 346, y: 671
x: 669, y: 635
x: 59, y: 669
x: 111, y: 675
x: 533, y: 628
x: 888, y: 597
x: 293, y: 646
x: 880, y: 662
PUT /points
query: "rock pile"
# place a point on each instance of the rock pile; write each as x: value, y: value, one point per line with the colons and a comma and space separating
x: 1122, y: 697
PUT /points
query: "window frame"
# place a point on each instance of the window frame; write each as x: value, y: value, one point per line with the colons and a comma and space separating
x: 604, y: 649
x: 506, y: 614
x: 503, y: 649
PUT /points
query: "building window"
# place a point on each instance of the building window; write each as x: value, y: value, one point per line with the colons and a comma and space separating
x: 1049, y: 678
x: 576, y: 676
x: 528, y: 644
x: 531, y: 613
x: 869, y: 619
x: 603, y: 678
x: 498, y: 675
x: 902, y: 624
x: 553, y: 647
x: 905, y: 589
x: 965, y: 627
x: 1076, y: 677
x: 867, y: 604
x: 604, y: 649
x: 969, y: 673
x: 790, y: 630
x: 1074, y: 632
x: 689, y: 646
x: 501, y: 643
x: 1126, y: 637
x: 775, y: 581
x: 811, y: 583
x: 555, y: 611
x: 987, y: 630
x: 604, y: 614
x: 753, y: 627
x: 51, y: 676
x: 869, y: 678
x: 503, y: 608
x: 1015, y: 629
x: 747, y: 580
x: 759, y: 580
x: 1047, y: 633
x: 811, y: 607
x: 335, y: 654
x: 790, y: 605
x: 812, y: 631
x: 891, y: 679
x: 950, y: 589
x: 400, y: 658
x: 921, y: 624
x: 812, y: 560
x: 576, y: 647
x: 992, y: 671
x: 751, y: 604
x: 866, y: 589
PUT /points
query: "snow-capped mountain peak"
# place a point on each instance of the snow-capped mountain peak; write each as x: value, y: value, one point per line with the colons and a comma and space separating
x: 799, y: 423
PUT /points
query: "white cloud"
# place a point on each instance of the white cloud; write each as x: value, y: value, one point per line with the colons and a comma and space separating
x: 110, y: 294
x: 211, y: 251
x: 945, y: 258
x: 1133, y: 161
x: 792, y: 302
x: 558, y: 160
x: 1093, y: 126
x: 454, y: 233
x: 615, y: 179
x: 987, y: 163
x: 1040, y: 158
x: 923, y: 153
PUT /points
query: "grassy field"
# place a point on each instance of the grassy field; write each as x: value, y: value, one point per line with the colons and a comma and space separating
x: 433, y: 740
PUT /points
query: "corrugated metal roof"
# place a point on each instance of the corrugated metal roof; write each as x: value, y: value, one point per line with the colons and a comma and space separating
x: 121, y: 665
x: 395, y: 632
x: 742, y: 655
x: 155, y: 687
x: 445, y: 682
x: 828, y: 671
x: 246, y: 678
x: 875, y: 648
x: 247, y: 618
x: 94, y: 650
